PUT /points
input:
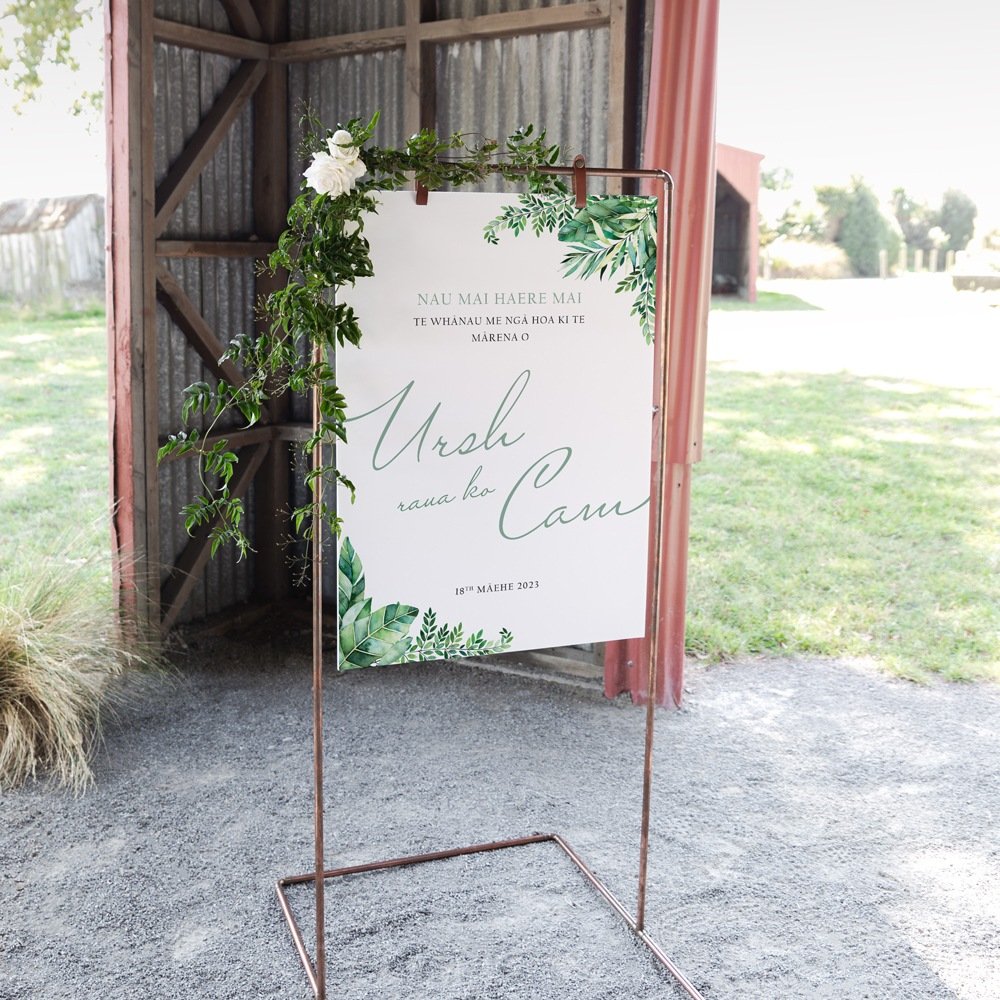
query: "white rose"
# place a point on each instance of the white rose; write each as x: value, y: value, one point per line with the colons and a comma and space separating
x: 341, y: 142
x: 334, y: 174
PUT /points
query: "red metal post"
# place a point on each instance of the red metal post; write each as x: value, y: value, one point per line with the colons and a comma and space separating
x: 680, y: 137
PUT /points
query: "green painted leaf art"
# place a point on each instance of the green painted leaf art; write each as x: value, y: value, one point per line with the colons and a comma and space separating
x: 368, y: 637
x: 606, y: 236
x: 446, y: 642
x: 350, y: 578
x: 376, y: 637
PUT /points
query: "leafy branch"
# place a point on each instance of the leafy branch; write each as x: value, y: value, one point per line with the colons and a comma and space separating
x: 323, y: 249
x: 38, y: 34
x: 544, y: 213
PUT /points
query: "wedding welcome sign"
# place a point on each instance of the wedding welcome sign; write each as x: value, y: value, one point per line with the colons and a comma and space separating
x: 499, y: 429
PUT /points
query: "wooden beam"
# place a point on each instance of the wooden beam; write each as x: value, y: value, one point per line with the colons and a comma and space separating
x: 272, y: 577
x: 293, y: 431
x: 243, y: 18
x: 419, y: 97
x: 242, y: 437
x: 204, y: 40
x: 236, y: 438
x: 538, y: 20
x: 214, y: 248
x: 202, y: 146
x: 187, y: 569
x: 195, y: 328
x: 132, y: 402
x: 569, y: 17
x: 333, y: 46
x: 624, y: 52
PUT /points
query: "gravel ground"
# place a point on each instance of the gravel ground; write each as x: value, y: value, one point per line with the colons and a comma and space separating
x: 819, y: 831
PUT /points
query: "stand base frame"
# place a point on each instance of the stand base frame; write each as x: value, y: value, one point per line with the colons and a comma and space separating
x: 457, y: 852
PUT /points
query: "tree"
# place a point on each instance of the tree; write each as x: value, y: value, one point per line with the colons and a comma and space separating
x: 856, y: 223
x: 957, y: 217
x: 776, y: 179
x: 38, y: 34
x: 915, y: 219
x: 834, y: 201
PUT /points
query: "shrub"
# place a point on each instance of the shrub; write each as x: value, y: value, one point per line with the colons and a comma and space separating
x: 856, y: 223
x: 957, y: 217
x: 807, y: 259
x: 865, y: 231
x: 62, y: 644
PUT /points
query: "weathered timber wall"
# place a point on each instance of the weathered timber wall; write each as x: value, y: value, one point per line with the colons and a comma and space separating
x: 52, y: 251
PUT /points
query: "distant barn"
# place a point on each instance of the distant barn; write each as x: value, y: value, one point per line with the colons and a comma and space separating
x: 735, y: 248
x: 52, y: 250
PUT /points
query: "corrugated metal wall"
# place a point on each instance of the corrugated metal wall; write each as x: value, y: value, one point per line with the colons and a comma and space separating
x: 317, y: 19
x: 219, y: 205
x: 349, y: 87
x: 496, y: 85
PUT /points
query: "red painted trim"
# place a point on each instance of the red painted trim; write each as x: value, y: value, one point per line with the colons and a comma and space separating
x: 680, y: 137
x: 117, y: 247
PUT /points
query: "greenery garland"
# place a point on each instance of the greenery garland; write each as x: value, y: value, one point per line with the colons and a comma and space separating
x: 324, y: 248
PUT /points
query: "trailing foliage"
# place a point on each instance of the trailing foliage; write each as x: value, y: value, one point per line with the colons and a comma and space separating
x: 324, y: 248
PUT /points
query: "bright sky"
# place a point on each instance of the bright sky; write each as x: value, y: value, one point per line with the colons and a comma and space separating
x: 47, y: 150
x: 904, y: 94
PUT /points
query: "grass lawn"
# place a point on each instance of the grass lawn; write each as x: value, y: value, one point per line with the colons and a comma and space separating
x: 766, y: 301
x: 832, y: 515
x: 53, y: 437
x: 835, y: 514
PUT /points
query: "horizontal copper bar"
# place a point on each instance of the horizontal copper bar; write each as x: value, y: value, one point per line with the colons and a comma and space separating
x: 419, y: 859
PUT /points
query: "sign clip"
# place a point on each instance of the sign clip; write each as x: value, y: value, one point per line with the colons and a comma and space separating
x: 580, y: 180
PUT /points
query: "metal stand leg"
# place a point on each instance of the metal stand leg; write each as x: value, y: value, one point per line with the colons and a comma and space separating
x: 318, y: 976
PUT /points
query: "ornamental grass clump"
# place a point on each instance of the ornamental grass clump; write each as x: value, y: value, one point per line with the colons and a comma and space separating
x: 62, y: 645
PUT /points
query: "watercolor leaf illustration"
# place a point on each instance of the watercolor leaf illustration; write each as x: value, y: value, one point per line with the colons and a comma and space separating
x: 350, y: 578
x: 378, y: 637
x: 446, y: 642
x: 606, y: 236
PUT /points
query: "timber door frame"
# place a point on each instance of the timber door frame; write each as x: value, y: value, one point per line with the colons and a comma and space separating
x: 139, y: 210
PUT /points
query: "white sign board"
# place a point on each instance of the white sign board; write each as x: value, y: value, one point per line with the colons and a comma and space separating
x: 499, y: 435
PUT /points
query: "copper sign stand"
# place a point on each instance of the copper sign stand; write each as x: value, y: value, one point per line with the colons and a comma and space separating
x: 316, y: 971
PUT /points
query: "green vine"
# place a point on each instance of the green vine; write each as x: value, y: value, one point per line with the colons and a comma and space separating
x: 324, y: 248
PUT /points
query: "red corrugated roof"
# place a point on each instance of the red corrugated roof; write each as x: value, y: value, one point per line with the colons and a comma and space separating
x: 741, y: 168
